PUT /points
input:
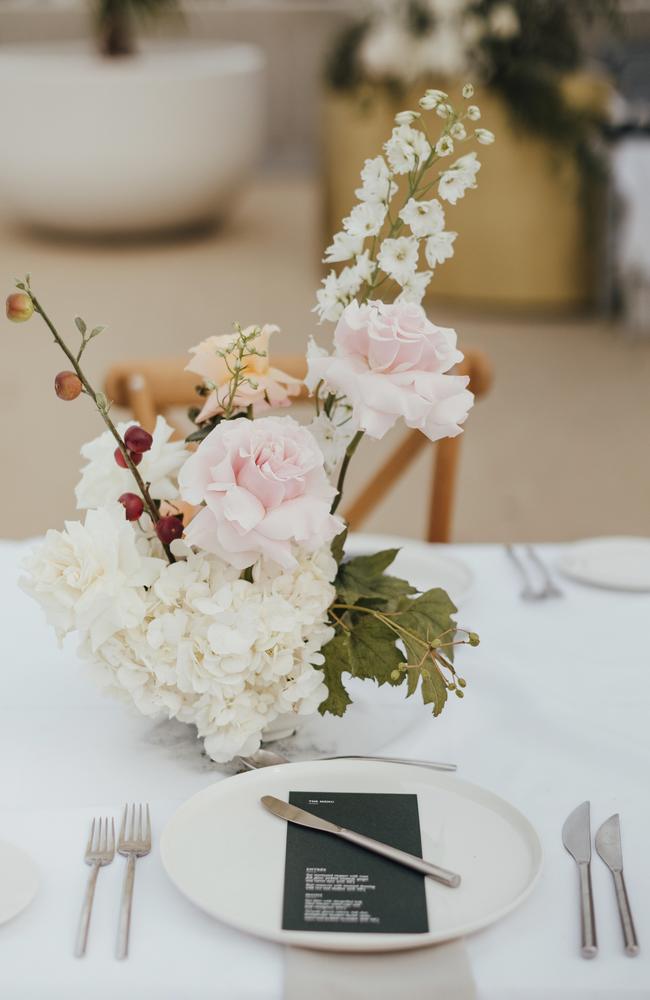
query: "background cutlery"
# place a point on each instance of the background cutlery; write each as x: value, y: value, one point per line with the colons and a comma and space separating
x: 576, y: 837
x: 551, y: 589
x: 608, y: 845
x: 292, y: 814
x: 100, y: 851
x: 267, y: 758
x: 134, y: 843
x: 527, y: 592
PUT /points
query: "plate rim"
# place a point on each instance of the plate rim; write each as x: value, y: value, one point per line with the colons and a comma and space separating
x: 366, y: 943
x: 562, y: 562
x: 34, y: 871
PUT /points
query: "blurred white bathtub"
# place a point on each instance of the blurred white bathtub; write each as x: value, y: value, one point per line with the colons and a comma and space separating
x: 163, y: 140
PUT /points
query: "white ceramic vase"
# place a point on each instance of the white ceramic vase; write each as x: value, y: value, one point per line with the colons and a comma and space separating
x: 159, y: 141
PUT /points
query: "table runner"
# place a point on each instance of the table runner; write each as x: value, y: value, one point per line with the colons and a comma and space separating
x: 556, y: 711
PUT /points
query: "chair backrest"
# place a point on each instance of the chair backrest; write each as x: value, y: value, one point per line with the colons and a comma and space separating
x: 150, y: 387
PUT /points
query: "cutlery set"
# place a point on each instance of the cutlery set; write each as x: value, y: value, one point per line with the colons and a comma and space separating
x: 576, y: 837
x: 528, y: 572
x: 134, y: 842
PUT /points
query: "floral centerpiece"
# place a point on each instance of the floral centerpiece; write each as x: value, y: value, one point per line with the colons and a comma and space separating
x: 207, y: 580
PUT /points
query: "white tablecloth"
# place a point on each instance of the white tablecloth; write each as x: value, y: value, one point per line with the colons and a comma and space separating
x: 557, y: 711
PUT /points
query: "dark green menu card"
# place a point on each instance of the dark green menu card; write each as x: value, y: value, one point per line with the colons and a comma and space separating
x: 332, y: 885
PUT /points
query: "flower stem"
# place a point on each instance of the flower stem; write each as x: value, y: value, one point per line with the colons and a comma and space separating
x: 103, y: 411
x: 349, y: 452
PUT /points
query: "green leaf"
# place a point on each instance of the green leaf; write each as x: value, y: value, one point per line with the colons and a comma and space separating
x: 434, y: 690
x: 361, y: 576
x: 338, y: 545
x: 373, y: 653
x: 337, y: 660
x: 80, y: 325
x: 429, y: 616
x: 96, y: 331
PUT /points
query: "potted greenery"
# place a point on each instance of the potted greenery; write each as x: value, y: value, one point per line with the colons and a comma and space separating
x: 127, y: 139
x: 529, y: 58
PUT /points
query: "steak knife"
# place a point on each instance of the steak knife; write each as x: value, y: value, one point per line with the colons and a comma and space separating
x: 608, y: 845
x: 292, y: 814
x: 576, y: 837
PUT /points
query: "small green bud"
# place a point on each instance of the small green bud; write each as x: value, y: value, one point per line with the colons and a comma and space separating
x: 473, y: 638
x: 459, y: 694
x: 395, y: 675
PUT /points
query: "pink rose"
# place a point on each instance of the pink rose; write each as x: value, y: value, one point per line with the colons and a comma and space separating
x: 390, y: 362
x: 264, y: 486
x: 271, y: 388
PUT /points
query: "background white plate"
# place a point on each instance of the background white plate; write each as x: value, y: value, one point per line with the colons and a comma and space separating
x: 619, y: 563
x: 18, y: 881
x: 226, y: 853
x: 423, y: 567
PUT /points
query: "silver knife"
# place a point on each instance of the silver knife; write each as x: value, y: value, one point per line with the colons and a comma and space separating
x: 292, y: 814
x: 608, y: 845
x: 576, y: 837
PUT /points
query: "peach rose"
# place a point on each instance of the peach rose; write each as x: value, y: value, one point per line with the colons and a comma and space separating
x: 272, y: 387
x: 391, y: 362
x: 264, y: 486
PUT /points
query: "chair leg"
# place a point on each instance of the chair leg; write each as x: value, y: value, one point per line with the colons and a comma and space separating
x: 445, y: 474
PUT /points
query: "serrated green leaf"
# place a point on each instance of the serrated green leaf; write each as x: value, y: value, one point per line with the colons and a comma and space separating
x: 80, y: 325
x: 362, y: 576
x: 434, y: 690
x: 338, y: 545
x: 373, y: 652
x: 429, y: 616
x: 337, y: 661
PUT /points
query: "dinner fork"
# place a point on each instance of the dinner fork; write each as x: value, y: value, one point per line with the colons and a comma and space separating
x: 551, y: 589
x: 134, y: 843
x: 100, y: 851
x: 527, y: 592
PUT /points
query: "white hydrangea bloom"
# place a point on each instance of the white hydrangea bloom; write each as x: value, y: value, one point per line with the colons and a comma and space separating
x: 399, y: 258
x: 223, y: 654
x: 414, y: 288
x: 91, y: 576
x: 365, y: 219
x: 343, y: 247
x: 377, y: 184
x: 439, y: 248
x: 424, y: 218
x: 406, y: 148
x: 103, y: 480
x: 455, y: 181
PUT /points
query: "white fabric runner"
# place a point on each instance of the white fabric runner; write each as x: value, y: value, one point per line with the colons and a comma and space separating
x: 557, y: 711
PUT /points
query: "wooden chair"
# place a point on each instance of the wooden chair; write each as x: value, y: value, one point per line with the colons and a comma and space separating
x: 150, y: 387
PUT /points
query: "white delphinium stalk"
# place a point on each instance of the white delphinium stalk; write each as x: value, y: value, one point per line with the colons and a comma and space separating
x: 382, y: 243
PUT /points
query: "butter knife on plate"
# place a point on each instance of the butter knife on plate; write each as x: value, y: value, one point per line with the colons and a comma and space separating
x: 608, y: 845
x: 576, y: 837
x: 292, y: 814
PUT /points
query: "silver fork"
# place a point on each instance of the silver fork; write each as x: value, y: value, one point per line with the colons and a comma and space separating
x: 134, y: 843
x: 551, y: 589
x: 100, y: 851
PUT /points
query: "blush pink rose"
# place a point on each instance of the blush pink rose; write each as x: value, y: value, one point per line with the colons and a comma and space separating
x: 391, y: 362
x: 264, y: 486
x: 272, y: 387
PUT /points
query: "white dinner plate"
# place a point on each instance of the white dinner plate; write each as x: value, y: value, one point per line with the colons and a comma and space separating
x: 422, y: 565
x: 621, y: 563
x: 18, y: 881
x: 225, y: 852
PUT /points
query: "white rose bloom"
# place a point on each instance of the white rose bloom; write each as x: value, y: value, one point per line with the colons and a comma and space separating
x: 424, y: 218
x: 343, y: 247
x: 414, y: 288
x: 223, y: 654
x: 103, y: 480
x: 455, y: 181
x: 91, y: 577
x: 439, y: 248
x: 365, y: 219
x: 399, y: 258
x: 406, y: 148
x: 377, y: 183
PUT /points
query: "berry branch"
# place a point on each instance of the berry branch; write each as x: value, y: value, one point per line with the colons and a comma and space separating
x: 68, y: 388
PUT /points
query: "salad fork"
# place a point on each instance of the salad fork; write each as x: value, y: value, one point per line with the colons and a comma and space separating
x: 134, y: 843
x: 100, y: 851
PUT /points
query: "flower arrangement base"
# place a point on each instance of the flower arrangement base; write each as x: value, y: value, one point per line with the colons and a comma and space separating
x: 547, y: 258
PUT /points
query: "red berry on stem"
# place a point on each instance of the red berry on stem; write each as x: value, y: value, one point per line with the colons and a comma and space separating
x: 67, y: 385
x: 19, y: 307
x: 138, y: 440
x: 121, y: 461
x: 133, y: 506
x: 168, y: 528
